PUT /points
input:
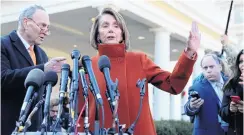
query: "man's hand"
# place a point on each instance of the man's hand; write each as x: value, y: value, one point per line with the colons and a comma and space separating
x: 224, y: 40
x: 240, y: 106
x: 196, y: 103
x: 233, y: 107
x: 55, y: 64
x: 193, y: 42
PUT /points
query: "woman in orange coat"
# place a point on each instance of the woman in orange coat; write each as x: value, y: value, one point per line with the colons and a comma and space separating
x: 110, y: 37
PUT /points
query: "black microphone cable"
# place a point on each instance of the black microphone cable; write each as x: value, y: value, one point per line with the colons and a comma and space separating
x: 140, y: 84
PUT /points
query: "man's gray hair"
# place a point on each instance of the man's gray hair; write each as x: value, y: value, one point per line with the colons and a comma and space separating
x: 28, y: 13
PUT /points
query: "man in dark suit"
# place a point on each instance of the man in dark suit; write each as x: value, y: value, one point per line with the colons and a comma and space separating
x: 205, y: 109
x: 20, y: 53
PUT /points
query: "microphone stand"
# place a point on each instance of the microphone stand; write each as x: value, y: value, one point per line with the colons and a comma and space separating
x: 140, y: 84
x: 85, y: 94
x: 19, y: 124
x: 113, y: 97
x: 75, y: 55
x: 28, y: 121
x: 97, y: 130
x: 71, y: 109
x: 44, y: 124
x: 75, y: 104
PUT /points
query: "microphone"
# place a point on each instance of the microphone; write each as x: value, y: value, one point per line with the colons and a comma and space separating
x: 64, y: 81
x: 104, y: 66
x: 20, y: 123
x: 75, y: 55
x: 65, y: 72
x: 86, y: 61
x: 28, y: 121
x: 33, y: 81
x: 51, y: 79
x: 112, y: 92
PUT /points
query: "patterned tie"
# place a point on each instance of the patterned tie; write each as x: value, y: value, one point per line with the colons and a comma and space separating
x: 32, y: 54
x: 219, y: 91
x: 223, y: 124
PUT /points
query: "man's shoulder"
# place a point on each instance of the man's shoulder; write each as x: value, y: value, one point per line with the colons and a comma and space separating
x: 197, y: 85
x: 6, y: 40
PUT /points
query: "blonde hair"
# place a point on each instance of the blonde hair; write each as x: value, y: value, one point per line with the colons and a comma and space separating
x: 94, y: 30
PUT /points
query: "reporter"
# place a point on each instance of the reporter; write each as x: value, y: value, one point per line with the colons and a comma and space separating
x: 230, y: 111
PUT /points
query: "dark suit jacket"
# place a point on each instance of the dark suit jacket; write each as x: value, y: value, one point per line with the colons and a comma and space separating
x: 16, y: 63
x: 234, y: 119
x: 206, y: 117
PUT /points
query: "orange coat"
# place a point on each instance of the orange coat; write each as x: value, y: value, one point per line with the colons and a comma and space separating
x: 128, y: 67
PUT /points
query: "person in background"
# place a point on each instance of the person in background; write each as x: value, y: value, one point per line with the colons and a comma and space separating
x: 205, y: 107
x: 20, y: 53
x: 232, y: 110
x: 63, y: 126
x: 110, y: 37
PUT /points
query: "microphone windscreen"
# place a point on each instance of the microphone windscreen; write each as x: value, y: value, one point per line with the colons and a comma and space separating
x: 65, y: 67
x: 104, y: 62
x: 51, y: 77
x: 34, y: 78
x: 75, y: 54
x: 85, y: 57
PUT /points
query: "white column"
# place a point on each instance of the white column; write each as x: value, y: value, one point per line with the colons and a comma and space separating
x: 175, y: 101
x: 161, y: 108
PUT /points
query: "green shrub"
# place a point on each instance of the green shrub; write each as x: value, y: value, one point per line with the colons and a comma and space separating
x: 172, y: 127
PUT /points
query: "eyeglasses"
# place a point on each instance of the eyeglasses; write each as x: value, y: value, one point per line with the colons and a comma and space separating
x: 44, y: 27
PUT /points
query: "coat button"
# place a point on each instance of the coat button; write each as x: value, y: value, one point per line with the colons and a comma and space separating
x: 119, y: 59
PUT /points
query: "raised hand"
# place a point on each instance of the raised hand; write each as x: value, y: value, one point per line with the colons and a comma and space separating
x: 194, y: 38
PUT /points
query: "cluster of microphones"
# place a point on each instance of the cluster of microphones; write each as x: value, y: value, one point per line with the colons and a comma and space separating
x: 82, y: 72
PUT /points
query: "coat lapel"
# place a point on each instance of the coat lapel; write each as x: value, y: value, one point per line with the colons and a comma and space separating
x: 211, y: 91
x: 20, y: 47
x: 39, y: 59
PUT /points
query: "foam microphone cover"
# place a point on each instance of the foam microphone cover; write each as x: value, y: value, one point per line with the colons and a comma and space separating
x: 51, y: 77
x: 65, y: 67
x: 84, y: 58
x: 34, y: 78
x: 104, y: 62
x: 75, y: 54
